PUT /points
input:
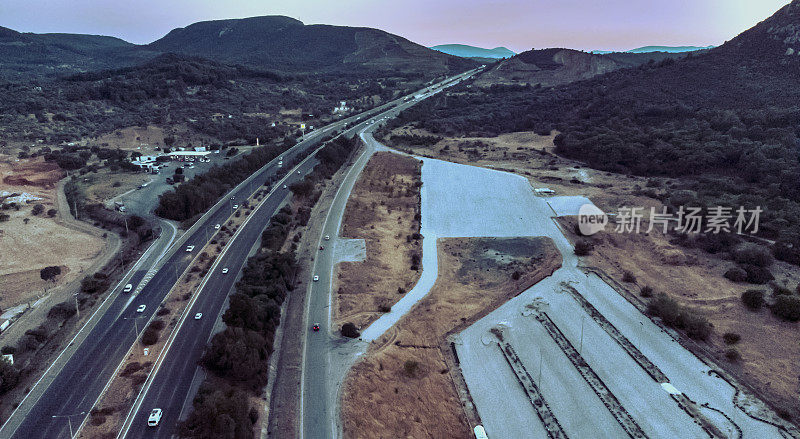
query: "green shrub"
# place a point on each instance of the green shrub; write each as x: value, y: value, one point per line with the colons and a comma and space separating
x: 753, y: 299
x: 731, y: 337
x: 583, y: 247
x: 736, y: 274
x: 349, y: 330
x: 787, y: 308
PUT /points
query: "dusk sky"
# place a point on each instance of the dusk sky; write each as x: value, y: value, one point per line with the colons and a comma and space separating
x: 516, y: 24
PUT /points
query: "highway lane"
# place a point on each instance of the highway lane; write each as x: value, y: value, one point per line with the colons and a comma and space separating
x: 75, y: 388
x: 171, y: 384
x: 321, y: 378
x: 171, y: 387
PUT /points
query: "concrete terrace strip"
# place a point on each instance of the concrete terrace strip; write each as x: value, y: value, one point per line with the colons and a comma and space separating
x: 463, y: 201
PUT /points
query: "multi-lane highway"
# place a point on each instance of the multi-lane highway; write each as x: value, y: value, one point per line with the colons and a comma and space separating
x: 170, y: 386
x: 321, y: 378
x: 71, y: 387
x: 174, y: 383
x: 68, y: 392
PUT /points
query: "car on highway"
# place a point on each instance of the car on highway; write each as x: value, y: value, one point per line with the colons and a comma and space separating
x: 141, y: 308
x: 189, y: 248
x: 316, y: 278
x: 224, y: 271
x: 315, y: 327
x: 154, y: 418
x: 198, y: 316
x: 327, y: 237
x: 216, y: 226
x: 128, y: 288
x: 322, y: 247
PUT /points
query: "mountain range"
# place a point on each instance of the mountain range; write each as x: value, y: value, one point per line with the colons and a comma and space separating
x: 274, y: 43
x: 649, y: 49
x: 466, y: 51
x: 550, y: 67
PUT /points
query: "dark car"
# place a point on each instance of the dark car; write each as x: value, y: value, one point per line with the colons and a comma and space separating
x: 315, y: 327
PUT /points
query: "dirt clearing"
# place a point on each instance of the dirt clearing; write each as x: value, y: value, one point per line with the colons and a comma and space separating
x: 405, y: 386
x: 383, y: 210
x: 37, y: 241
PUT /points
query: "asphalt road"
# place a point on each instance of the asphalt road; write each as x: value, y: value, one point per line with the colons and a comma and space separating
x: 171, y: 384
x: 327, y: 355
x: 74, y: 389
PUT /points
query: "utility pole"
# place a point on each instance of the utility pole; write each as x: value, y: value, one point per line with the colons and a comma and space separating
x: 69, y: 420
x: 77, y: 308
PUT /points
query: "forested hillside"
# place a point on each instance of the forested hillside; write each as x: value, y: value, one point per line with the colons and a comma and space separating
x: 728, y: 119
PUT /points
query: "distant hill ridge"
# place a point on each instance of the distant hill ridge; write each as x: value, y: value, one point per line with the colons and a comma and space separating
x: 467, y: 51
x: 649, y: 49
x: 275, y: 43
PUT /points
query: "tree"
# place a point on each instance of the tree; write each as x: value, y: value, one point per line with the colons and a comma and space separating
x: 753, y: 299
x: 219, y: 411
x: 787, y: 308
x: 9, y: 376
x: 50, y: 273
x: 37, y: 209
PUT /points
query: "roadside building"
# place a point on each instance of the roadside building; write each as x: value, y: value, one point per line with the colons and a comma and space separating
x: 189, y: 156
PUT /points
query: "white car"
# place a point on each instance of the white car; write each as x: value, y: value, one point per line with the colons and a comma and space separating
x: 216, y: 226
x: 198, y: 316
x: 298, y: 172
x: 189, y: 248
x: 224, y: 271
x: 316, y: 278
x: 154, y: 418
x: 284, y: 186
x: 327, y: 237
x: 128, y: 288
x: 235, y: 206
x: 141, y: 308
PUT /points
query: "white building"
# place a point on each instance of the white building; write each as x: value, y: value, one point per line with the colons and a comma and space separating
x: 342, y: 108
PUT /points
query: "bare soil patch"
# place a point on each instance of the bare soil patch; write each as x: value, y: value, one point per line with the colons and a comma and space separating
x: 33, y: 242
x: 405, y: 386
x: 383, y: 209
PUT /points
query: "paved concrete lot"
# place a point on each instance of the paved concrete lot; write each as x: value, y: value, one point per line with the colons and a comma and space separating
x: 565, y: 206
x: 464, y: 201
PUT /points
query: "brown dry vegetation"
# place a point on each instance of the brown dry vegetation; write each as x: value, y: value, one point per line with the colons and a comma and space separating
x: 35, y: 242
x: 404, y: 386
x: 383, y: 209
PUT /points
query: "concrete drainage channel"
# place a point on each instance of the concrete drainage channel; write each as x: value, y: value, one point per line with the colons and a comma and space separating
x: 549, y: 421
x: 611, y: 402
x: 684, y: 402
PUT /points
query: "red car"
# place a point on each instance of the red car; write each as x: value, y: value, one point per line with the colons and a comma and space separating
x: 322, y: 247
x: 315, y: 327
